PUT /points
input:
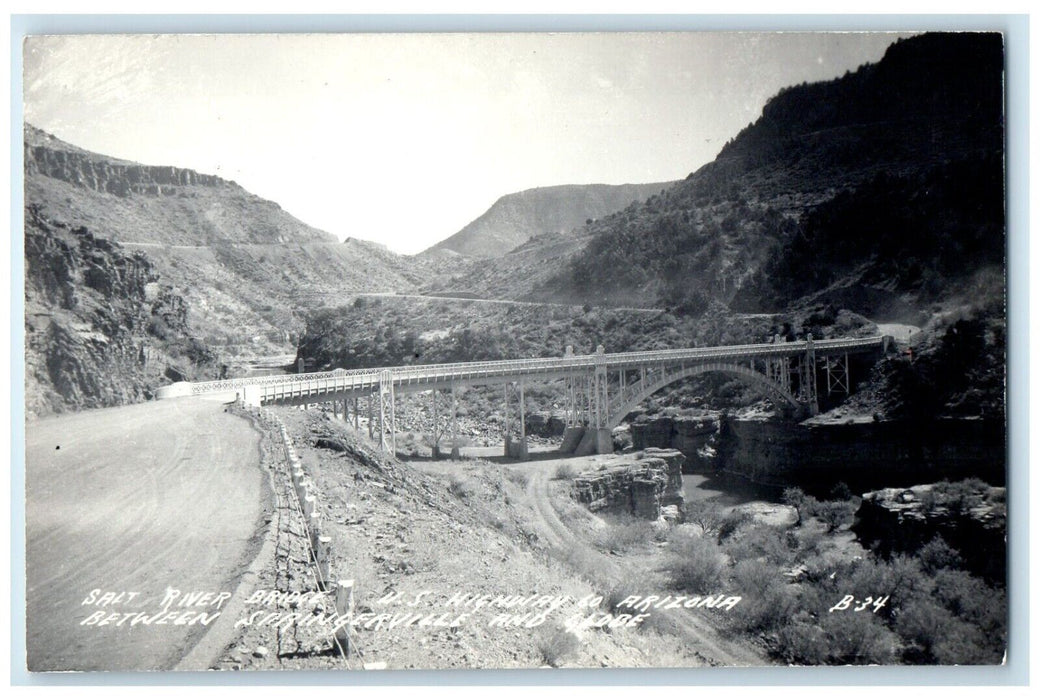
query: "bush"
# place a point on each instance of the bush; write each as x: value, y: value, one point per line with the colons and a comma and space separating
x: 922, y: 624
x: 565, y: 471
x: 555, y: 644
x: 760, y: 542
x: 937, y: 555
x: 837, y: 639
x: 707, y: 514
x: 970, y: 599
x: 767, y: 602
x: 461, y: 487
x: 695, y: 564
x: 624, y: 535
x: 834, y: 514
x: 520, y: 477
x: 732, y: 522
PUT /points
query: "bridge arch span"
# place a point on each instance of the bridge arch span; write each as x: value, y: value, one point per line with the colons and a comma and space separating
x: 758, y: 380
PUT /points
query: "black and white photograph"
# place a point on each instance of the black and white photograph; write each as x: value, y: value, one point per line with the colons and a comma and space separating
x: 514, y: 350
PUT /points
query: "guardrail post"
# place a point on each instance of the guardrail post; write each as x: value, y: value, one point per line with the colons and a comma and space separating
x: 344, y: 609
x: 323, y: 560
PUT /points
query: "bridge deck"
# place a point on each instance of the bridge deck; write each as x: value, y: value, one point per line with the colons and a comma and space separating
x: 275, y: 388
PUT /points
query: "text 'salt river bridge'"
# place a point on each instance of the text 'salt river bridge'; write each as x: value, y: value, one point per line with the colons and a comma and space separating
x: 602, y: 388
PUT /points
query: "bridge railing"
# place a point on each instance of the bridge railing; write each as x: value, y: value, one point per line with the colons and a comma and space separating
x: 291, y: 385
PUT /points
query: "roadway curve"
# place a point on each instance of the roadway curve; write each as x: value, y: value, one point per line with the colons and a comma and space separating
x: 135, y: 498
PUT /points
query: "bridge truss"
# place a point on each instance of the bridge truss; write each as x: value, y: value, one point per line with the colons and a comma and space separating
x: 601, y: 389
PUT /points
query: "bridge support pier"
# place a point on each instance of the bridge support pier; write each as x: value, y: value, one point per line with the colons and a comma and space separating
x: 454, y: 424
x: 572, y: 436
x: 387, y: 422
x: 435, y: 442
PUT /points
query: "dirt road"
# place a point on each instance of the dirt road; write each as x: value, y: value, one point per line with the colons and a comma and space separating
x: 703, y: 640
x: 134, y: 499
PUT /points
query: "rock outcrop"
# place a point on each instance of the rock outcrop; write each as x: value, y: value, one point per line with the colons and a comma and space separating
x: 969, y: 516
x: 111, y: 176
x: 100, y: 329
x: 694, y: 436
x: 817, y: 456
x: 648, y: 487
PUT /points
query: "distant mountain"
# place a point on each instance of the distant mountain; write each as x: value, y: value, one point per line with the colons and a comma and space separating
x: 515, y: 218
x: 239, y: 269
x: 880, y: 191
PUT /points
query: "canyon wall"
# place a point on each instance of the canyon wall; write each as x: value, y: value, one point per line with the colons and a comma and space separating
x: 863, y: 455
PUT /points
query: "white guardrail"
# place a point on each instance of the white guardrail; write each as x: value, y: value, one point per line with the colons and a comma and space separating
x: 282, y: 386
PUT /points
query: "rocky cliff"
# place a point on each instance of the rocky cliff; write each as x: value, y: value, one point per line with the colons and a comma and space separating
x: 244, y: 267
x: 643, y: 485
x: 100, y: 327
x: 48, y: 156
x: 695, y: 436
x: 969, y: 516
x: 863, y: 455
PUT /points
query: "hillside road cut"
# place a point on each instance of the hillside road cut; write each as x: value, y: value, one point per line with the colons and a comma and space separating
x: 139, y: 521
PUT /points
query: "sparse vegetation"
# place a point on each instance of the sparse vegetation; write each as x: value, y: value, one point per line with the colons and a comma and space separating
x: 695, y: 564
x: 624, y: 534
x: 555, y: 644
x: 461, y: 487
x: 933, y: 611
x: 565, y: 471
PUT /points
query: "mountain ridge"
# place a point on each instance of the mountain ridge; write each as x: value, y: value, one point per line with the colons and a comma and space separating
x: 927, y: 115
x: 516, y: 217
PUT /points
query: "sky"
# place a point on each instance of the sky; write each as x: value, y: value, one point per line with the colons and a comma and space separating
x: 403, y: 139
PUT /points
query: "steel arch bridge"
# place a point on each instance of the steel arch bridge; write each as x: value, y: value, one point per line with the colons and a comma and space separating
x: 602, y: 388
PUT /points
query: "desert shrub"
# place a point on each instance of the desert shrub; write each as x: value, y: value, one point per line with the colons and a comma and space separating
x: 520, y: 477
x: 837, y: 639
x: 707, y: 514
x: 767, y: 603
x: 461, y: 487
x: 922, y: 624
x: 625, y: 534
x: 583, y: 561
x: 834, y: 514
x: 565, y: 471
x: 731, y: 523
x: 972, y: 600
x: 618, y: 591
x: 806, y: 543
x: 860, y: 638
x: 937, y: 555
x: 555, y: 644
x: 802, y: 642
x: 968, y: 647
x: 759, y: 541
x: 695, y: 564
x: 841, y: 492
